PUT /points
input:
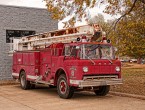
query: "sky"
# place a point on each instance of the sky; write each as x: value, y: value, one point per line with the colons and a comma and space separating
x: 41, y: 4
x: 26, y: 3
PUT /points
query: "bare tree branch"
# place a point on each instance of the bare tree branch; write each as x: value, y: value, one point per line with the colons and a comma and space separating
x: 125, y: 13
x: 143, y: 1
x: 114, y: 27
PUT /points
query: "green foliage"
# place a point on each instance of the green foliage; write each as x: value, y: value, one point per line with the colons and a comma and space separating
x: 129, y: 35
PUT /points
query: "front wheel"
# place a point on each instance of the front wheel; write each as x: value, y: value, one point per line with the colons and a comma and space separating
x: 102, y: 91
x: 23, y: 81
x: 63, y: 89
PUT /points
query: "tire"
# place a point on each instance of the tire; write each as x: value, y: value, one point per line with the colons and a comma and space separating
x: 103, y: 90
x: 63, y: 89
x: 32, y: 86
x: 23, y: 81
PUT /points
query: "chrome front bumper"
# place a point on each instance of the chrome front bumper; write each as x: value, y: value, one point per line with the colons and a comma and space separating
x: 93, y: 83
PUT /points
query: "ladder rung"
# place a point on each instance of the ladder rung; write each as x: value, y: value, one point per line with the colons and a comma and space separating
x: 50, y: 42
x: 55, y: 37
x: 33, y: 42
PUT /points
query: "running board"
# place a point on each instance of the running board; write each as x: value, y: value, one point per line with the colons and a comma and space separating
x: 51, y: 82
x: 43, y: 82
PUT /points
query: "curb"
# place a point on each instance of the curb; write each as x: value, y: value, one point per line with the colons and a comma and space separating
x: 127, y: 95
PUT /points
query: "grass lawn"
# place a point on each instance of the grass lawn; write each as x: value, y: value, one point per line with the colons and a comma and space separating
x: 133, y: 79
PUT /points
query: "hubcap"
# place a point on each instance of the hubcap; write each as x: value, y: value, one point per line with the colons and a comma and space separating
x: 22, y: 80
x: 63, y: 86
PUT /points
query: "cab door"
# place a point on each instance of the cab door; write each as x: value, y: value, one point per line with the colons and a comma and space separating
x: 55, y: 55
x: 45, y: 67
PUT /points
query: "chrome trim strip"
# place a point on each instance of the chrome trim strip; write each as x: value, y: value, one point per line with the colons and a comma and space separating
x: 82, y: 83
x: 32, y: 77
x: 15, y: 74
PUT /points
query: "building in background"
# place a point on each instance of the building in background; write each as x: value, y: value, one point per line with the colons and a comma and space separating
x: 16, y: 22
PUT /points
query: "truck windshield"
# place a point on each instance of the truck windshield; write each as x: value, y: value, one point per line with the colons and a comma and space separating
x: 95, y: 51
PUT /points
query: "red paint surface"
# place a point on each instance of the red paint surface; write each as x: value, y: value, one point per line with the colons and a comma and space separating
x: 51, y: 59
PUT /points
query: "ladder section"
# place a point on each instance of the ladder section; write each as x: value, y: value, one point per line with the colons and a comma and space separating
x: 42, y: 40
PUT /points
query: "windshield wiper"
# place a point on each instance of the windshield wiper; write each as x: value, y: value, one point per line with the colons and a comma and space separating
x: 90, y: 59
x: 88, y: 56
x: 110, y: 61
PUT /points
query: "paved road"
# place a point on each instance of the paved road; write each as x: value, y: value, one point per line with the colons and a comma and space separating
x: 14, y: 98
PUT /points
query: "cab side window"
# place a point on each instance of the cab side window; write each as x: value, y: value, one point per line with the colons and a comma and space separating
x: 70, y: 51
x: 67, y: 51
x: 73, y: 51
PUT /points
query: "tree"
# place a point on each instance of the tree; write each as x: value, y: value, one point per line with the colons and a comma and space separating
x: 129, y: 36
x: 99, y: 19
x: 78, y: 9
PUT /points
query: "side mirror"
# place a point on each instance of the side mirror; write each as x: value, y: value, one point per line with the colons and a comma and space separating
x: 108, y: 41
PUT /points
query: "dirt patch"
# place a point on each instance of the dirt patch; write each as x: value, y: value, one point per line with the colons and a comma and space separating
x: 8, y: 82
x: 133, y: 80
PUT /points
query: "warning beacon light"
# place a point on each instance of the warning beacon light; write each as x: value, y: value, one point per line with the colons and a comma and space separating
x: 84, y: 39
x: 104, y: 39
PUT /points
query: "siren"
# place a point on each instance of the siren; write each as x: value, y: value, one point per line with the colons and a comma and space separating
x: 108, y: 41
x: 78, y: 39
x: 84, y: 39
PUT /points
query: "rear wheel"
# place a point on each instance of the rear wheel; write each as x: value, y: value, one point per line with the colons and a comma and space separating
x: 23, y: 81
x: 63, y: 89
x: 102, y: 91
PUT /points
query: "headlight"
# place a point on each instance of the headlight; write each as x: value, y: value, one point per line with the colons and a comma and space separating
x: 85, y: 69
x: 117, y: 68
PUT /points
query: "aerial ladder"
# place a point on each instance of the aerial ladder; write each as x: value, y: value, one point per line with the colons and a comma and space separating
x: 42, y: 40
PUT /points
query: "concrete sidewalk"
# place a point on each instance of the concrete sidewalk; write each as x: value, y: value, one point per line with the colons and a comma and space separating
x: 14, y: 98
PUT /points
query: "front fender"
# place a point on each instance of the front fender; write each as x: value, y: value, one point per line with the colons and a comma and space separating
x: 60, y: 71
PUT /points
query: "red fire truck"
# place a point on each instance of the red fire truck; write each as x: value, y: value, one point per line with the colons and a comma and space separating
x: 68, y: 60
